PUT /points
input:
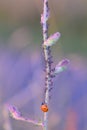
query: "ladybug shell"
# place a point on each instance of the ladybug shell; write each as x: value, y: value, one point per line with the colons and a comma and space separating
x: 44, y: 107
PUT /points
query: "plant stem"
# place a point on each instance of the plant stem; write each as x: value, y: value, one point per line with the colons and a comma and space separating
x: 47, y: 58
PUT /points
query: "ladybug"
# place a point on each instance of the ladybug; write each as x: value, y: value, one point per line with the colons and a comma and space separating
x: 44, y: 107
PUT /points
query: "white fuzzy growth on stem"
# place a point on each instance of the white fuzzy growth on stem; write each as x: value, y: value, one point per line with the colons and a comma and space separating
x: 61, y: 66
x: 52, y: 40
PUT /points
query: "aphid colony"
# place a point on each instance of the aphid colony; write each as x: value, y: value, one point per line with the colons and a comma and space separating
x: 48, y: 79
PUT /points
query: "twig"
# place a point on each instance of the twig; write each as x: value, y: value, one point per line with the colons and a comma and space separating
x: 50, y: 73
x: 15, y: 113
x: 47, y: 55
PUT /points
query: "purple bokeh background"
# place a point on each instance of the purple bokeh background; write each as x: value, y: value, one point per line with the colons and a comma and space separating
x: 22, y: 85
x: 21, y: 63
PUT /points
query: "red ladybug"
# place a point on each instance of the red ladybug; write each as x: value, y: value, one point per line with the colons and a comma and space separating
x: 44, y: 107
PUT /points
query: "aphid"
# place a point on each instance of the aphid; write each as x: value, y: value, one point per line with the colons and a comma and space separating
x: 44, y: 107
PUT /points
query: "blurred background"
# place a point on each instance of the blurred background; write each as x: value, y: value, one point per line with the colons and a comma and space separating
x: 21, y: 64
